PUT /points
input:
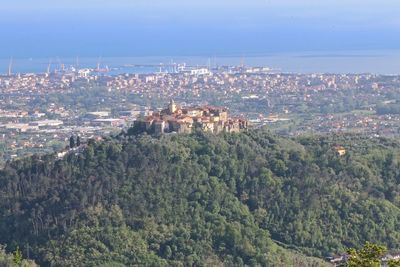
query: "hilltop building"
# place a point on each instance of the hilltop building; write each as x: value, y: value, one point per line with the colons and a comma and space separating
x: 340, y: 150
x: 184, y: 120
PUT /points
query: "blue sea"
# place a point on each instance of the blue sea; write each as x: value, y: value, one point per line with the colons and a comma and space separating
x: 377, y: 61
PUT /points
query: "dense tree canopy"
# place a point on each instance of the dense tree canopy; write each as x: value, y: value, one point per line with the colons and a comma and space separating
x: 247, y: 199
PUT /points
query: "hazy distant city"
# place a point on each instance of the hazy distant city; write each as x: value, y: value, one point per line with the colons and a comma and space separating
x: 40, y: 111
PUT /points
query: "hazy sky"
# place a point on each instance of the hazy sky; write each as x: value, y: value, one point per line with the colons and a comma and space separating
x: 185, y: 27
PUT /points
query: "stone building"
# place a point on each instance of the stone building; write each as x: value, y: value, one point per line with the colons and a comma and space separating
x: 184, y: 120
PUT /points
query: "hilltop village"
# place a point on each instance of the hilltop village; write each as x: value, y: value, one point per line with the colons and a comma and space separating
x: 184, y: 120
x: 40, y: 111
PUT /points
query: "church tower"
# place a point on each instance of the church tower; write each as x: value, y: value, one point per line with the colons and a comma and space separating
x: 172, y: 107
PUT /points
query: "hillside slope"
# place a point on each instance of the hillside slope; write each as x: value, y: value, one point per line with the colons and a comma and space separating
x: 202, y: 200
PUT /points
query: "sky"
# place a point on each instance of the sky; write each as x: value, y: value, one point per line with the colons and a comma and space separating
x: 48, y: 28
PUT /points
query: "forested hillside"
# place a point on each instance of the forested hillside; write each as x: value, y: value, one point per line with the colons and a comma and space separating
x: 202, y: 200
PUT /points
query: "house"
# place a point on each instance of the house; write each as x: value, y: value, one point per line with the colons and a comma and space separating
x: 340, y: 150
x: 108, y: 122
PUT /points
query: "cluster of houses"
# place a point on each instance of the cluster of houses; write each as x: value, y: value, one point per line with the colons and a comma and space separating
x: 184, y: 120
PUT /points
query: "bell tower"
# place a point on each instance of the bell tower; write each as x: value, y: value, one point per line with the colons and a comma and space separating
x: 172, y: 107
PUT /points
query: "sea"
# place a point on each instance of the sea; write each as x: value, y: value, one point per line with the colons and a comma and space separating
x: 340, y: 62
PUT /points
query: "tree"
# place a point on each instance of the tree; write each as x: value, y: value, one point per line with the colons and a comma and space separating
x: 14, y: 259
x: 368, y: 256
x: 17, y: 256
x: 71, y: 142
x: 394, y: 263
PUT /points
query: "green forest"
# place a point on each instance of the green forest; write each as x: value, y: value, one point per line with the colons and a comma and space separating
x: 243, y: 199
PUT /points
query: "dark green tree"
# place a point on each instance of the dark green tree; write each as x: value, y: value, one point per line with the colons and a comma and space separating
x: 71, y: 142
